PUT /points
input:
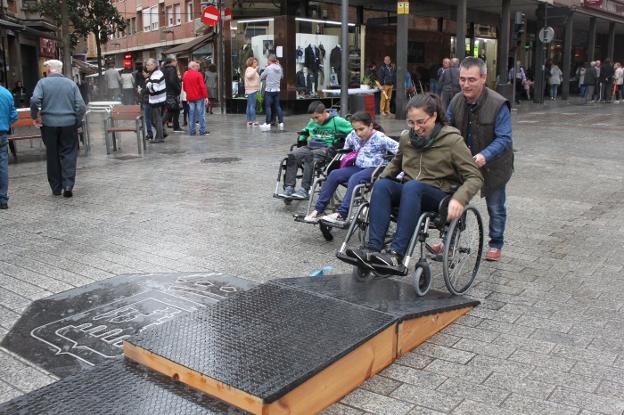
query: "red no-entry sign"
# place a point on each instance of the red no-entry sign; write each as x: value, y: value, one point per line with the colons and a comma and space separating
x: 210, y: 16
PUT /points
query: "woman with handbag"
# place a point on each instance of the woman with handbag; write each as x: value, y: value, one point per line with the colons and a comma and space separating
x: 369, y: 145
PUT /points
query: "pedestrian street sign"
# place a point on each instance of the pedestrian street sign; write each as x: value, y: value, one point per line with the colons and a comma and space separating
x: 546, y: 34
x: 403, y: 7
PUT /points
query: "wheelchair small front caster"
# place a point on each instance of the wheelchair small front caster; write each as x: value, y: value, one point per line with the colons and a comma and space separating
x: 421, y: 279
x: 362, y: 274
x: 326, y: 231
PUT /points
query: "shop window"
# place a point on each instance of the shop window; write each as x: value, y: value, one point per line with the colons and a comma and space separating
x: 250, y: 38
x: 319, y: 50
x: 178, y: 14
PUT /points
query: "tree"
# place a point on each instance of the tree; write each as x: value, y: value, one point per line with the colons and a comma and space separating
x: 99, y: 17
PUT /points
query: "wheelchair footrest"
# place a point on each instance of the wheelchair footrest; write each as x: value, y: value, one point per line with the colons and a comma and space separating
x: 378, y: 268
x: 344, y: 225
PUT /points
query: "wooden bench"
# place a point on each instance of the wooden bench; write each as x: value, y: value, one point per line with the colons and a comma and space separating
x: 23, y: 129
x: 124, y: 113
x: 20, y: 131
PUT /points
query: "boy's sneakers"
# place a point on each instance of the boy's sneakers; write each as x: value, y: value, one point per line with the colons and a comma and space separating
x: 335, y: 218
x: 388, y: 259
x: 281, y: 126
x: 265, y: 127
x: 301, y: 194
x: 313, y: 217
x: 288, y: 192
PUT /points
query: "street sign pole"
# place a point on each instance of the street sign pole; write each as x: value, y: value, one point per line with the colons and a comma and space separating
x: 221, y: 59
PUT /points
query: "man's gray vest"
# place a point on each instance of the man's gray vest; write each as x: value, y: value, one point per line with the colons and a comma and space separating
x: 481, y: 122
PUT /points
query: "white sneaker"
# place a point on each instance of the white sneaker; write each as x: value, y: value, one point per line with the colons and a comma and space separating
x: 334, y: 218
x: 265, y: 127
x: 281, y: 126
x: 313, y: 217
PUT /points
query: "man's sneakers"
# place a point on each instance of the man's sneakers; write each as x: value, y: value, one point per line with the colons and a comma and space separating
x: 4, y: 205
x: 67, y: 192
x: 281, y: 126
x: 493, y: 254
x: 312, y: 217
x: 301, y: 194
x: 335, y: 218
x: 265, y: 127
x: 288, y: 192
x: 361, y: 254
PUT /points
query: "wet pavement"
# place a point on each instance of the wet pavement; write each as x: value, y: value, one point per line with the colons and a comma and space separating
x: 548, y: 337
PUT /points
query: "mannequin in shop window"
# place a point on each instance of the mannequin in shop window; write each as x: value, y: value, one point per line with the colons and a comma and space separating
x: 313, y: 61
x: 245, y: 53
x: 305, y: 82
x: 335, y: 61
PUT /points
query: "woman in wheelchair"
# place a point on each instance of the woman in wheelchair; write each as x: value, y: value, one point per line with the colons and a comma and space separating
x: 369, y: 146
x: 434, y: 159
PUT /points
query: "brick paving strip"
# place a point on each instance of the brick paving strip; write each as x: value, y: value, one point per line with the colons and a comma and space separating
x: 547, y: 339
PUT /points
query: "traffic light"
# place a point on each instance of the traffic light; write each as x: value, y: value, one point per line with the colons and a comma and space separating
x: 518, y: 27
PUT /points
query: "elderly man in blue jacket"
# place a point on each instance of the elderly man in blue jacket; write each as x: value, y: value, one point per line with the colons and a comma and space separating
x: 8, y: 115
x: 57, y: 108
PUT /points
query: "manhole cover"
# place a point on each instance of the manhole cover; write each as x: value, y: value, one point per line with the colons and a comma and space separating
x: 220, y: 160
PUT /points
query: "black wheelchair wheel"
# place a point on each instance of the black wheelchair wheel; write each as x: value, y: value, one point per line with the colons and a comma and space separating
x: 463, y: 248
x: 421, y: 278
x: 326, y: 231
x: 362, y: 275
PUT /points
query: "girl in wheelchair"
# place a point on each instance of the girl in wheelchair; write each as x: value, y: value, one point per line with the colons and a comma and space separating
x: 368, y: 147
x: 434, y: 159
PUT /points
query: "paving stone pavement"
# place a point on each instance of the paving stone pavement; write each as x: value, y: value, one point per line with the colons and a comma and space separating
x: 547, y: 339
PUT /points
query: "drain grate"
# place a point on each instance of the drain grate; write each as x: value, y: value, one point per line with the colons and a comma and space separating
x: 220, y: 160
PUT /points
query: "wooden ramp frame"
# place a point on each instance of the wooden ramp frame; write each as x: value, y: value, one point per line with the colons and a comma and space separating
x: 327, y: 386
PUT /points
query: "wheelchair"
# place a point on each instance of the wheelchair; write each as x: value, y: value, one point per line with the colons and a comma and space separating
x: 321, y: 168
x: 461, y: 257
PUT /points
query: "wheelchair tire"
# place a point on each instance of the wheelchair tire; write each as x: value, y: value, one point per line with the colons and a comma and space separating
x: 463, y: 248
x: 421, y: 278
x: 326, y: 231
x: 362, y: 275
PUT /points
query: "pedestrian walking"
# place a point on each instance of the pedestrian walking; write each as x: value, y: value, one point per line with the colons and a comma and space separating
x: 386, y: 76
x: 157, y: 89
x: 185, y: 106
x: 57, y: 108
x: 127, y: 87
x: 589, y: 80
x: 619, y: 81
x: 197, y: 97
x: 8, y: 115
x: 113, y: 82
x: 554, y: 80
x: 520, y: 75
x: 445, y: 83
x: 174, y: 87
x: 606, y: 79
x: 211, y: 81
x: 483, y: 116
x: 580, y: 76
x: 252, y: 86
x: 272, y: 76
x: 598, y: 92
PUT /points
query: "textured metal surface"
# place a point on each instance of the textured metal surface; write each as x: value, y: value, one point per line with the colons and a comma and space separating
x: 82, y: 327
x: 265, y: 341
x: 117, y: 387
x: 385, y: 295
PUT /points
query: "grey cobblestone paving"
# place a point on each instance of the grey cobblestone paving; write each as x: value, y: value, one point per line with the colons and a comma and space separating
x: 547, y: 339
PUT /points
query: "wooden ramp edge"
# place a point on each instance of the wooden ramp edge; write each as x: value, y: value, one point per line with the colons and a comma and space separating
x: 325, y: 388
x: 312, y: 396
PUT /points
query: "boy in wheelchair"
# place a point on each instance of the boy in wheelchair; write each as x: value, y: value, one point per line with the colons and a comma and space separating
x: 316, y: 143
x: 434, y: 159
x: 368, y: 146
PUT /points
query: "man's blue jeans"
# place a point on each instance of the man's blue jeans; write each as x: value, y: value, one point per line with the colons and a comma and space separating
x: 269, y: 99
x: 353, y: 175
x: 497, y: 210
x: 412, y: 198
x: 197, y: 111
x: 4, y: 169
x: 251, y: 107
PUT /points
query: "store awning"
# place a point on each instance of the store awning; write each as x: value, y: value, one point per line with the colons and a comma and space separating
x: 187, y: 47
x: 84, y: 67
x: 11, y: 25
